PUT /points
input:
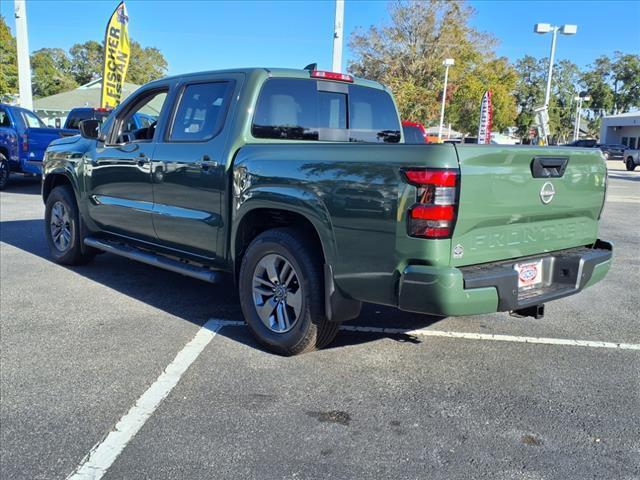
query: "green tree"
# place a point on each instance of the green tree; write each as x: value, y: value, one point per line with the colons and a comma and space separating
x: 86, y: 61
x: 562, y: 106
x: 407, y: 56
x: 626, y: 75
x: 146, y: 64
x: 8, y: 60
x: 529, y: 91
x: 50, y: 72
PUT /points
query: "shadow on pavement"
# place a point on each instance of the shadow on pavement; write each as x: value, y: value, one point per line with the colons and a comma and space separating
x: 193, y: 300
x: 23, y: 185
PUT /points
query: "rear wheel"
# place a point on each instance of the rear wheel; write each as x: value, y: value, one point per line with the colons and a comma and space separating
x: 631, y: 166
x: 4, y: 172
x: 62, y: 228
x: 282, y: 293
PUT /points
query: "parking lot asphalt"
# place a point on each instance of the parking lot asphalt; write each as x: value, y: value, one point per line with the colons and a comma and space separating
x: 79, y: 346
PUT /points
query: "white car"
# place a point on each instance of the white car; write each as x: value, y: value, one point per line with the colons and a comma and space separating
x: 631, y: 159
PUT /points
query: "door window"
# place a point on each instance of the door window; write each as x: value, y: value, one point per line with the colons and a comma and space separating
x: 201, y: 112
x: 632, y: 143
x: 31, y: 120
x: 129, y: 129
x: 5, y: 121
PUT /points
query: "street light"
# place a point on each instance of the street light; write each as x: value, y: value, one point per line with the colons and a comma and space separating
x: 447, y: 63
x: 543, y: 28
x: 579, y: 99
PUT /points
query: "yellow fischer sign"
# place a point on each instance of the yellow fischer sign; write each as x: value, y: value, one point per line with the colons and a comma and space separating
x: 116, y: 57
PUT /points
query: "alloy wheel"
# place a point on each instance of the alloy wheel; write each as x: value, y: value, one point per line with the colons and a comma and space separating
x: 277, y: 293
x: 60, y: 226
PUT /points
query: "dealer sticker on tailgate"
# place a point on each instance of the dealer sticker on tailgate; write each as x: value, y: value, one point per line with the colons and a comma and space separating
x: 529, y: 274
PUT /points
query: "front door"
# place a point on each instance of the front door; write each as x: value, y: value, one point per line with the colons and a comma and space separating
x: 119, y: 176
x: 189, y: 166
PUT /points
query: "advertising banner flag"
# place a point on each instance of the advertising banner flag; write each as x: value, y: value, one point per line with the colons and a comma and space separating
x: 116, y: 57
x: 486, y: 112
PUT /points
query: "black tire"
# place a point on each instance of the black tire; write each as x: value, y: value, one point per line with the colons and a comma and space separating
x: 310, y: 330
x: 4, y: 172
x: 72, y: 253
x: 631, y: 166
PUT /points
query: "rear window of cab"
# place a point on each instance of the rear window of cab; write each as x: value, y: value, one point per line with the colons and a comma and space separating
x: 300, y: 109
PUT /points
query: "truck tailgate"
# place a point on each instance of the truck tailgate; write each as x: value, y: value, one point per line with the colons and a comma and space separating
x: 510, y: 207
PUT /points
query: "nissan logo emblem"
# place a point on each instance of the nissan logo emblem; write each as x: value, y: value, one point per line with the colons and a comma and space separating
x: 547, y: 192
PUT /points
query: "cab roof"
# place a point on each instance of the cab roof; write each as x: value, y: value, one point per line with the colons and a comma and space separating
x: 276, y: 73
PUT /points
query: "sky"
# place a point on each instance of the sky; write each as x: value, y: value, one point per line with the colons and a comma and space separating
x: 208, y: 35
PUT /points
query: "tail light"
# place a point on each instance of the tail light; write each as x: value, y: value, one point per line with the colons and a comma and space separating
x: 341, y: 77
x: 434, y: 213
x: 24, y: 138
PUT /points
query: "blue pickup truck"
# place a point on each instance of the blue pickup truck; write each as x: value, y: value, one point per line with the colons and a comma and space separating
x: 23, y: 140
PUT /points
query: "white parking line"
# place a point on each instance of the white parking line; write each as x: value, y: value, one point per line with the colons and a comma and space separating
x: 474, y: 336
x: 499, y: 338
x: 622, y: 199
x: 104, y: 453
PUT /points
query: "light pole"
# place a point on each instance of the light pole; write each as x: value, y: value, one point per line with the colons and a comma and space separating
x: 543, y: 28
x: 579, y: 99
x: 24, y: 64
x: 337, y: 36
x: 447, y: 63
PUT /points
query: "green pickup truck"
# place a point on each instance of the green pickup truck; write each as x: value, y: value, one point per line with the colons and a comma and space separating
x: 296, y: 185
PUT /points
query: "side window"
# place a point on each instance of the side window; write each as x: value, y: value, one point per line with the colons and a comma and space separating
x: 412, y: 135
x: 127, y: 128
x: 625, y: 141
x: 201, y: 112
x: 632, y: 143
x: 5, y: 121
x: 31, y: 120
x: 372, y: 116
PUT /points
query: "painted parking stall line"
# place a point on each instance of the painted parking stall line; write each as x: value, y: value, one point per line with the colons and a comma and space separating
x: 496, y: 337
x: 474, y: 336
x: 104, y: 453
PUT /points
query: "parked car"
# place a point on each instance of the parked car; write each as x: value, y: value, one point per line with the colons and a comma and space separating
x: 612, y: 151
x: 584, y: 143
x: 139, y: 120
x: 23, y: 140
x: 414, y: 132
x: 295, y: 185
x: 631, y: 159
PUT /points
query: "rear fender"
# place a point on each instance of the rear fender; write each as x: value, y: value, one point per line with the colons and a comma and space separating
x: 291, y: 199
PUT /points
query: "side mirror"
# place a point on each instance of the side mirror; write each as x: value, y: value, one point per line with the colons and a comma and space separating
x: 89, y: 129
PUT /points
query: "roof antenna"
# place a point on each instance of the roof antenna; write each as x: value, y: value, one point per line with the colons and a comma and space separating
x: 311, y: 67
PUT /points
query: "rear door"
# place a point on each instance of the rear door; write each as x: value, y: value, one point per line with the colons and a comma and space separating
x: 38, y: 135
x: 517, y: 201
x: 189, y: 165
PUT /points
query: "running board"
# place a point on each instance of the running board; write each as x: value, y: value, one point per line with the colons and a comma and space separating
x: 201, y: 273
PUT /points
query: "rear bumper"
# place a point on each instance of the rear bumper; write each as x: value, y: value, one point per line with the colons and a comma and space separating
x: 493, y: 287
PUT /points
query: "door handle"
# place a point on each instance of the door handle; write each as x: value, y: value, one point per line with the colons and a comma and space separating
x: 207, y: 163
x: 142, y: 160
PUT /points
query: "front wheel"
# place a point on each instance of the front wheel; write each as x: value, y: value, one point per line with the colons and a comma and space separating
x: 631, y: 166
x: 62, y: 228
x: 4, y: 172
x: 282, y: 293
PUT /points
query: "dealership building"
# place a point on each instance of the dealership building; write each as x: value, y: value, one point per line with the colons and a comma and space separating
x: 623, y: 128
